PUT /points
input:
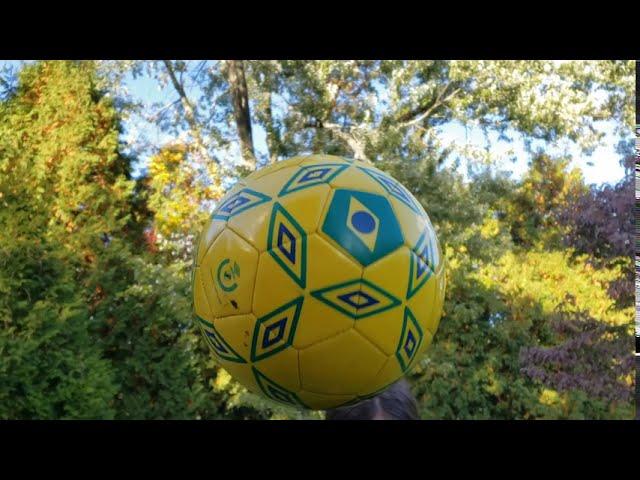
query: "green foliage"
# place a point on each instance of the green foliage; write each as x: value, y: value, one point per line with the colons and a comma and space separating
x: 87, y: 315
x: 545, y: 188
x: 51, y: 366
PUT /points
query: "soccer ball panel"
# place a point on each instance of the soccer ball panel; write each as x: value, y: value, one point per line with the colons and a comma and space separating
x: 354, y: 178
x: 210, y: 233
x: 382, y: 329
x: 274, y: 167
x: 389, y: 274
x: 275, y: 391
x: 413, y: 225
x: 282, y: 368
x: 305, y: 206
x: 228, y: 273
x: 273, y: 183
x: 293, y: 215
x: 361, y: 224
x: 200, y: 302
x: 422, y: 303
x: 320, y: 322
x: 390, y: 372
x: 320, y: 159
x: 237, y: 331
x: 328, y: 266
x: 340, y: 365
x: 220, y: 347
x: 253, y: 225
x: 274, y: 286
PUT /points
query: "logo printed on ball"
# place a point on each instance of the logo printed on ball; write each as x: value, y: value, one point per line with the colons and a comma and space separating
x: 227, y: 275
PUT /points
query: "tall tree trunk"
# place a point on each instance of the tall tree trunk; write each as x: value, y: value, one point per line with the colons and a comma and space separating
x: 240, y: 98
x: 273, y: 135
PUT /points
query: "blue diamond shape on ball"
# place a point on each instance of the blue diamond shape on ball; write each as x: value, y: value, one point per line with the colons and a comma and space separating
x: 350, y: 299
x: 409, y: 344
x: 420, y: 267
x: 269, y: 339
x: 411, y: 338
x: 233, y: 204
x: 239, y: 202
x: 290, y: 250
x: 287, y: 244
x: 314, y: 174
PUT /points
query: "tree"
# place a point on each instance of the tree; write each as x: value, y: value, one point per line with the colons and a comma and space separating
x: 241, y: 112
x: 93, y: 333
x: 545, y: 188
x: 63, y: 186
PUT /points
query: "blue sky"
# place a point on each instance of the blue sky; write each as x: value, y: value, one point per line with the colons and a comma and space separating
x: 601, y: 167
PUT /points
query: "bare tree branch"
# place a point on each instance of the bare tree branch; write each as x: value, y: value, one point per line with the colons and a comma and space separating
x: 417, y: 115
x: 190, y: 113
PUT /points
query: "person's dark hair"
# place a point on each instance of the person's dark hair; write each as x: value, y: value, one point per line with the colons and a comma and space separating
x: 395, y: 403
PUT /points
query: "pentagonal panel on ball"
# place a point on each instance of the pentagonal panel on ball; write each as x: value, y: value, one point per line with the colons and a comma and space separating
x: 362, y: 224
x: 274, y: 167
x: 208, y: 236
x: 355, y: 179
x: 274, y: 286
x: 200, y: 302
x: 237, y: 332
x: 228, y: 273
x: 340, y: 365
x: 423, y: 304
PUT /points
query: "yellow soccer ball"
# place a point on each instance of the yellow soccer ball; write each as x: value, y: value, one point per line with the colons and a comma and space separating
x: 318, y: 281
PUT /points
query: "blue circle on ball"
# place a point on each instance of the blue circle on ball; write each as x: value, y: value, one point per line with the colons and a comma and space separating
x: 363, y: 222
